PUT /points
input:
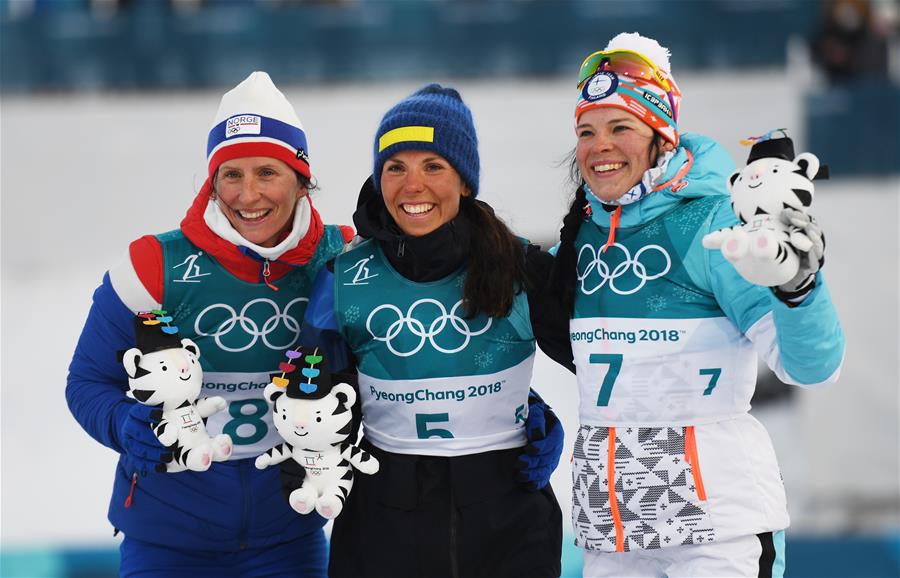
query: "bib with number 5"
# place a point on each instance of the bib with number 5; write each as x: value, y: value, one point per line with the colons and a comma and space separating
x: 431, y: 380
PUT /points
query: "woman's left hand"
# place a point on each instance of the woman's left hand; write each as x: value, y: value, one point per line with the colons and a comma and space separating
x: 545, y: 444
x: 809, y: 241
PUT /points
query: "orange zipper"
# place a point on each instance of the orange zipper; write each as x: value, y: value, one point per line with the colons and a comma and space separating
x: 690, y: 455
x: 611, y: 484
x: 613, y: 225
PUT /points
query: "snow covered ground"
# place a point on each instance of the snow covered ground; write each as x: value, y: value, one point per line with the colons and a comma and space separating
x: 83, y: 175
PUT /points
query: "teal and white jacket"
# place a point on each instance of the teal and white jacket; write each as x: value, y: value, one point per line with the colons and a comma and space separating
x: 665, y: 337
x: 431, y: 381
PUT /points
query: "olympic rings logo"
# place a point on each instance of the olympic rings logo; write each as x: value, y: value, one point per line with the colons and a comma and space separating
x: 250, y: 327
x: 635, y: 266
x: 417, y: 328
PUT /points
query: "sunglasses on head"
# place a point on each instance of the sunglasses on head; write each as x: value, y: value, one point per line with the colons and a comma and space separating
x: 629, y: 64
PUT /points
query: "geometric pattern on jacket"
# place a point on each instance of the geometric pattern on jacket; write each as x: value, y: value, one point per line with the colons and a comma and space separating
x: 654, y: 487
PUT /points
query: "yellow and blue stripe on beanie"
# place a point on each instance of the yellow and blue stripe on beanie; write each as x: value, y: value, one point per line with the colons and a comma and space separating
x: 433, y: 118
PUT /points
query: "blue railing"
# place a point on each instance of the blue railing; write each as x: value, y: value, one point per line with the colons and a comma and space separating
x: 856, y: 127
x: 152, y: 45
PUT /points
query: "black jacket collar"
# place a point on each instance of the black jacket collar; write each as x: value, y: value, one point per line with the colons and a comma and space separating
x: 420, y: 259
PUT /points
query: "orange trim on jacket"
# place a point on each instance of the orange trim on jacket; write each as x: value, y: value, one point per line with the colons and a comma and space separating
x: 611, y: 485
x: 690, y: 455
x: 681, y: 172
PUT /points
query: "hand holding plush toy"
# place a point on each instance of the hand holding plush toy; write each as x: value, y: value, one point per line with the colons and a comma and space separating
x: 313, y: 416
x: 164, y: 370
x: 777, y: 243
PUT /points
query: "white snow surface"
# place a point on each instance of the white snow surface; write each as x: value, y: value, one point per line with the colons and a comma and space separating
x: 83, y: 175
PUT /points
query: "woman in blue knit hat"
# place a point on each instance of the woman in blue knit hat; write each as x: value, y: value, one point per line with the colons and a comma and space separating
x: 671, y: 474
x: 433, y: 310
x: 235, y: 277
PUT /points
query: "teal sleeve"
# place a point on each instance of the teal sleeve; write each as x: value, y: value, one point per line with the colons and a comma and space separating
x: 809, y: 336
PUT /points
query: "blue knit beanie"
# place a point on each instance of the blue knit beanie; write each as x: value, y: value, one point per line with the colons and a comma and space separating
x: 436, y: 119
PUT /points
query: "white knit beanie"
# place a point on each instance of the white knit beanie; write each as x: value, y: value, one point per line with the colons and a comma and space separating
x: 256, y: 120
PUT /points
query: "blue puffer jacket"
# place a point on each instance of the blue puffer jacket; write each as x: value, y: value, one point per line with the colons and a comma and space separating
x: 232, y: 505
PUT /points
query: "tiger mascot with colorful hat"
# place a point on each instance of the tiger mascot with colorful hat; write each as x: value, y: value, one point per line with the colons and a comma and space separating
x: 313, y: 416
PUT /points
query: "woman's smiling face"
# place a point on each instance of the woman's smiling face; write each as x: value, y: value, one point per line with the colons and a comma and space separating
x: 421, y: 191
x: 258, y: 196
x: 613, y: 150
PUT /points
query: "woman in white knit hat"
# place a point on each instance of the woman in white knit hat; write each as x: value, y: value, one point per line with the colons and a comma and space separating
x: 235, y: 278
x: 671, y: 475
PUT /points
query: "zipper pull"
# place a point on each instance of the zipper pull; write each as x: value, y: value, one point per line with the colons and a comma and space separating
x: 613, y: 225
x: 130, y: 497
x: 401, y: 248
x: 266, y: 274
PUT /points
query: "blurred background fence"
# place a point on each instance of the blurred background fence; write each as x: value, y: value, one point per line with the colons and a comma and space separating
x: 832, y: 68
x: 65, y: 45
x: 155, y: 44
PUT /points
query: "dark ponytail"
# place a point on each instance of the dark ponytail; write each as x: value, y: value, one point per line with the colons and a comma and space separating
x: 564, y: 272
x: 565, y: 267
x: 495, y: 271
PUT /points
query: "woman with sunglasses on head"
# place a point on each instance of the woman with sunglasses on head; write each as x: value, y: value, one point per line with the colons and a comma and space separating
x: 235, y: 278
x: 436, y: 310
x: 671, y: 474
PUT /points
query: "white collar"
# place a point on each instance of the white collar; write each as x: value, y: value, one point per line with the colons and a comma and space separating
x: 221, y: 226
x: 648, y: 182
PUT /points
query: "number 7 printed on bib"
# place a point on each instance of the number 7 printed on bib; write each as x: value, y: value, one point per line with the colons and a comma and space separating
x: 614, y: 360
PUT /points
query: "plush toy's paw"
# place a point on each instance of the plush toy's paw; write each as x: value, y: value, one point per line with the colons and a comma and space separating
x: 764, y: 245
x: 222, y: 447
x: 167, y: 435
x: 208, y: 406
x: 303, y: 500
x: 369, y: 466
x: 329, y: 507
x: 736, y: 245
x: 165, y: 432
x: 174, y: 468
x: 768, y: 264
x: 218, y: 403
x: 262, y: 462
x: 715, y: 239
x: 199, y: 458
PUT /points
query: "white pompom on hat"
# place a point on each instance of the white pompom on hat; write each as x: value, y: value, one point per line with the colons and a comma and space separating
x: 256, y: 120
x: 647, y: 46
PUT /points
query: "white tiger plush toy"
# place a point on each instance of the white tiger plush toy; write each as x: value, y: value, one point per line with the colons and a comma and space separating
x: 164, y: 370
x: 314, y: 418
x: 763, y: 248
